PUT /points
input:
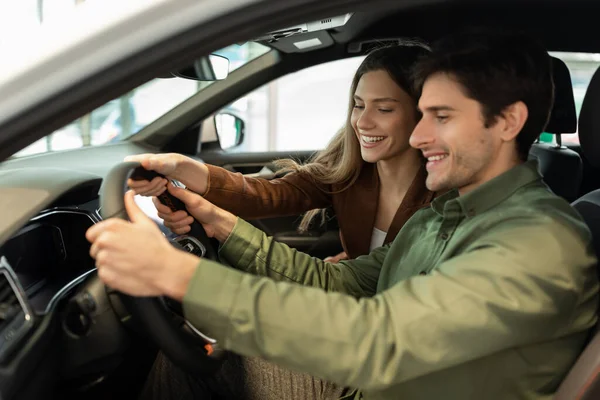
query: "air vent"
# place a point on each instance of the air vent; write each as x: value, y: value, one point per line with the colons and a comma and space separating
x: 9, y: 303
x: 16, y: 318
x: 326, y: 21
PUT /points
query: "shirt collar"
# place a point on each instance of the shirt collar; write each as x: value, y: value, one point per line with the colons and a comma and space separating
x: 489, y: 194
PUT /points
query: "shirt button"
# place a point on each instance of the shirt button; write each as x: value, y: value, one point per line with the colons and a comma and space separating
x: 471, y: 213
x: 444, y: 236
x: 422, y: 273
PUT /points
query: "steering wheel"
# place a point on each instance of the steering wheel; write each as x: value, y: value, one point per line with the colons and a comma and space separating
x: 162, y: 318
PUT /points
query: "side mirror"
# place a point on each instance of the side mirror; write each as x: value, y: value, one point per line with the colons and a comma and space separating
x: 230, y: 130
x: 208, y: 69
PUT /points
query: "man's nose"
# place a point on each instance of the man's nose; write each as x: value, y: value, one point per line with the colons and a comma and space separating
x: 421, y: 136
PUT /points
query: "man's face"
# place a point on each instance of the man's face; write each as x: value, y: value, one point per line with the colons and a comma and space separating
x: 460, y: 151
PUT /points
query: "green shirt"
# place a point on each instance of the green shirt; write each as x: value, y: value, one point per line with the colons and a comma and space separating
x: 484, y: 296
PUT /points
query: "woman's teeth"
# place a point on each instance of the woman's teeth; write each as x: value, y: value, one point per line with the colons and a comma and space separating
x: 372, y: 139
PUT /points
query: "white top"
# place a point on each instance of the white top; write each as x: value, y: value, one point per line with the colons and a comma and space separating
x: 377, y: 238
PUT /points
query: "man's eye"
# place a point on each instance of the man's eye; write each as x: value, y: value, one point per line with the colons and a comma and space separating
x: 441, y: 118
x: 385, y: 110
x: 358, y: 107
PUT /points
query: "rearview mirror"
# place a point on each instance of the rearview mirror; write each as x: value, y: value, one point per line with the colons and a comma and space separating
x: 230, y: 130
x: 211, y: 68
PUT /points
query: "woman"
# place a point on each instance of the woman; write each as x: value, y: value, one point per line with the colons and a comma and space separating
x: 369, y: 173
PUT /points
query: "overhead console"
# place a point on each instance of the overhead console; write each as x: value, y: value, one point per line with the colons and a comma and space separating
x: 305, y: 37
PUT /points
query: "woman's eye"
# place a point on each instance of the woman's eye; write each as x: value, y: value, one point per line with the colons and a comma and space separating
x: 358, y: 107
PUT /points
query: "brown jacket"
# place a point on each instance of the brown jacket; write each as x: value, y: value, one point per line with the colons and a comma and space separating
x: 295, y: 193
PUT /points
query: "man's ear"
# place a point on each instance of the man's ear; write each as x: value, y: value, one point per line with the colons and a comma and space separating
x: 514, y: 116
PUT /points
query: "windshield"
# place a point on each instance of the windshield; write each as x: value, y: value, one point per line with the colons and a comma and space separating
x: 125, y: 116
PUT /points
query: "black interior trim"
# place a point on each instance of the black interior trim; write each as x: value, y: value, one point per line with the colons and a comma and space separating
x: 257, y: 158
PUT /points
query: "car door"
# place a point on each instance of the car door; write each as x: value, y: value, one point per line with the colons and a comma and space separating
x: 291, y: 117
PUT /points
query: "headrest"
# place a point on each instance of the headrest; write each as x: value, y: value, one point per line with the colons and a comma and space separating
x: 563, y: 117
x: 589, y: 122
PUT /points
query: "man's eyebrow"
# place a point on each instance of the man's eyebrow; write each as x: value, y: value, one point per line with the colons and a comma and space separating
x: 434, y: 109
x: 378, y: 100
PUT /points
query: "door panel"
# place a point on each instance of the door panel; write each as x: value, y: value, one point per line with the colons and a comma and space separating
x: 251, y: 163
x: 321, y: 241
x: 317, y: 244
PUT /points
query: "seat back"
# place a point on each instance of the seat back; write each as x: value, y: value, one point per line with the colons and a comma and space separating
x: 583, y: 381
x: 561, y: 167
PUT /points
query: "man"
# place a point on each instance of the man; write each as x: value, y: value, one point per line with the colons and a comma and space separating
x: 489, y: 293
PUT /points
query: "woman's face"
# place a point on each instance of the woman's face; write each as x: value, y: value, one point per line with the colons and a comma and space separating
x: 383, y: 117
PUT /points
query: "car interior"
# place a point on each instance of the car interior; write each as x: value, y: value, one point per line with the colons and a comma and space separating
x: 64, y: 335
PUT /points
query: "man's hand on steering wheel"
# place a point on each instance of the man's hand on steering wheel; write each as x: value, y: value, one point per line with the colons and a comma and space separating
x: 135, y: 258
x: 217, y: 222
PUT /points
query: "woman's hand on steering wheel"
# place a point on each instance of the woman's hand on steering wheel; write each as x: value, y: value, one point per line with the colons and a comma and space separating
x: 192, y: 173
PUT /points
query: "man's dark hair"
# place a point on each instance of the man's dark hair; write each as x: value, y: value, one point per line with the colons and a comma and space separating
x: 496, y: 69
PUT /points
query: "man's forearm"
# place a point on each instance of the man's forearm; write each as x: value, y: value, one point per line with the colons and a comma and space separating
x: 249, y: 249
x: 177, y: 279
x: 225, y: 226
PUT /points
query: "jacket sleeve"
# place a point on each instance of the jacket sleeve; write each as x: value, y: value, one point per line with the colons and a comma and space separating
x: 249, y: 249
x: 252, y: 198
x: 462, y: 311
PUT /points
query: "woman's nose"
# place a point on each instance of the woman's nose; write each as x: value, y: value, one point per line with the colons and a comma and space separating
x: 365, y: 120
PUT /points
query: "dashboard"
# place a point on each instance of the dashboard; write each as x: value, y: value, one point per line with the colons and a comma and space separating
x: 50, y: 254
x: 46, y: 247
x: 49, y: 341
x: 43, y: 264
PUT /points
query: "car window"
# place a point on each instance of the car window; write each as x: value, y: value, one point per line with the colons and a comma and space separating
x: 300, y: 111
x: 123, y: 117
x: 303, y: 110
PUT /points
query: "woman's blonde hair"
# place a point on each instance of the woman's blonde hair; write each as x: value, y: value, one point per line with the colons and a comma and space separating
x: 340, y: 163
